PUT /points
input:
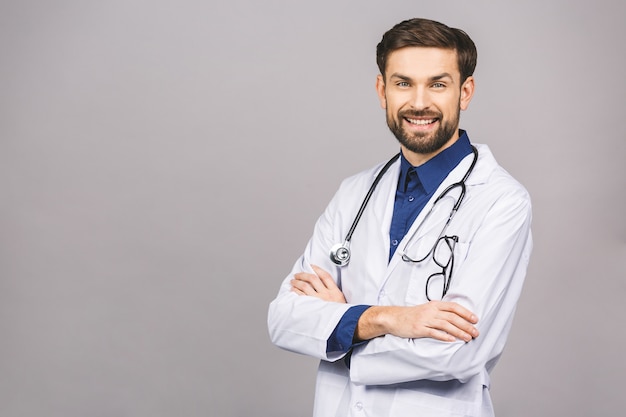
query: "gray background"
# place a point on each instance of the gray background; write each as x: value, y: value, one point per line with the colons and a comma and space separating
x: 162, y: 165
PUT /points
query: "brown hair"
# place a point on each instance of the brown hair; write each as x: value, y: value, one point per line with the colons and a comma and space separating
x: 428, y: 33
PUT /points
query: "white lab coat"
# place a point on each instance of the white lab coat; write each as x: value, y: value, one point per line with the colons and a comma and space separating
x: 392, y: 376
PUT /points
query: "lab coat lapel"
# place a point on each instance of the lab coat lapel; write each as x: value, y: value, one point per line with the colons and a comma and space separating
x: 387, y: 203
x: 377, y: 220
x: 384, y: 203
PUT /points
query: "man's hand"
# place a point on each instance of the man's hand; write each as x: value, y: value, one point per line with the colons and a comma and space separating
x: 320, y: 285
x: 441, y: 320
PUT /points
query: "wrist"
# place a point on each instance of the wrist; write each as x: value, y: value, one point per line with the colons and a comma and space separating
x: 374, y: 322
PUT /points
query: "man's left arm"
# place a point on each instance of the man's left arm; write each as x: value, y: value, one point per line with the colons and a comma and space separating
x: 489, y: 284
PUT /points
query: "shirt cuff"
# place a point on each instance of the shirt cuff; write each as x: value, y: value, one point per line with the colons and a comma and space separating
x: 341, y: 339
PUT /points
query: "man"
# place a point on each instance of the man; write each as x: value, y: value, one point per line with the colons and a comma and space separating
x: 416, y: 320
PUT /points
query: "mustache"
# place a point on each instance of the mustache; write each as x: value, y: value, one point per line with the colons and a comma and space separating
x: 414, y: 114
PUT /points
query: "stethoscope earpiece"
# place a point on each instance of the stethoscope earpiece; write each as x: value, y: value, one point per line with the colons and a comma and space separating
x: 340, y: 254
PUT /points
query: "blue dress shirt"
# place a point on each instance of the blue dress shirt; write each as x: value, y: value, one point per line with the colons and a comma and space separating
x: 416, y: 186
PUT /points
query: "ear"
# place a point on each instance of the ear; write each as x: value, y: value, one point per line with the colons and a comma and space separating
x: 380, y: 90
x: 467, y: 92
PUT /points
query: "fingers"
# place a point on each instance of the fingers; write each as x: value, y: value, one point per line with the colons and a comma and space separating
x: 446, y: 321
x: 321, y: 281
x: 456, y: 321
x: 320, y: 285
x: 441, y: 335
x: 309, y: 284
x: 458, y: 310
x: 456, y: 328
x: 325, y: 278
x: 298, y: 291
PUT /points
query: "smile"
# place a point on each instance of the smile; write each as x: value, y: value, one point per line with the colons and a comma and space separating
x: 420, y: 122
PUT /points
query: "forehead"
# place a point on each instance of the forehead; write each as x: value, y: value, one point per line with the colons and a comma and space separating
x: 419, y: 62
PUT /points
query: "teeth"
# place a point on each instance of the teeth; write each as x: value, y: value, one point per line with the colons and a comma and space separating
x: 420, y: 121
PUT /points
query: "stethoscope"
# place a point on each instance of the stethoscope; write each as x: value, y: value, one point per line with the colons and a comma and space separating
x: 340, y: 253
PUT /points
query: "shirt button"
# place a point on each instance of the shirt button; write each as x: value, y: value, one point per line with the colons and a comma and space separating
x: 411, y: 198
x: 358, y: 406
x: 394, y: 242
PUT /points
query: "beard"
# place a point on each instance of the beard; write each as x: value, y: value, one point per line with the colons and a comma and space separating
x: 423, y: 142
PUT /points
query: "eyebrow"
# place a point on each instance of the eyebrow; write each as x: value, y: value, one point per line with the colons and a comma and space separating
x: 431, y: 79
x: 441, y: 77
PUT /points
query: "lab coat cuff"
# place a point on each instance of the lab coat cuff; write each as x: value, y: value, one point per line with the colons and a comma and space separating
x: 341, y: 339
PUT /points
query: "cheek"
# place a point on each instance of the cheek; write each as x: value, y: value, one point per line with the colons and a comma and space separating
x: 393, y: 105
x: 452, y: 105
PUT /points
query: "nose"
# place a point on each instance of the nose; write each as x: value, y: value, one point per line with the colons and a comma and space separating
x: 420, y: 99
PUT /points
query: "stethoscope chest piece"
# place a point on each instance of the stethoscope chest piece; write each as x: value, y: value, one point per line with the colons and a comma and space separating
x: 340, y: 254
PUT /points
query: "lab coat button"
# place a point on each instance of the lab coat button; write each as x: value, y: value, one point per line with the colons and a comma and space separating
x: 358, y: 406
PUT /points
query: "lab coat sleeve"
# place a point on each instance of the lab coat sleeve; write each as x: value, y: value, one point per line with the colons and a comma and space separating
x: 303, y: 324
x: 488, y: 283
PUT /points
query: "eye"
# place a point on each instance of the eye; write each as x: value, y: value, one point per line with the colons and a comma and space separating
x: 439, y: 85
x: 403, y: 84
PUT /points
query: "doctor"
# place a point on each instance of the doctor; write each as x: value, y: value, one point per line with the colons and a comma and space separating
x: 419, y: 316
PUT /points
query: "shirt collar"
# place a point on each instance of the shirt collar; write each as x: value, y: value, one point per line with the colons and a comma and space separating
x: 435, y: 170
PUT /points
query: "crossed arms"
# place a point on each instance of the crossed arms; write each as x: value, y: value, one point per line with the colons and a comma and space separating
x: 413, y: 341
x: 440, y: 320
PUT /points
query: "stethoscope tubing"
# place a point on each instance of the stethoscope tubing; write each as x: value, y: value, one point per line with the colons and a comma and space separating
x: 340, y: 253
x: 366, y: 200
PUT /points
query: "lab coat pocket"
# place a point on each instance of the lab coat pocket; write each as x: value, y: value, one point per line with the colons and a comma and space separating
x: 417, y: 265
x: 434, y: 263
